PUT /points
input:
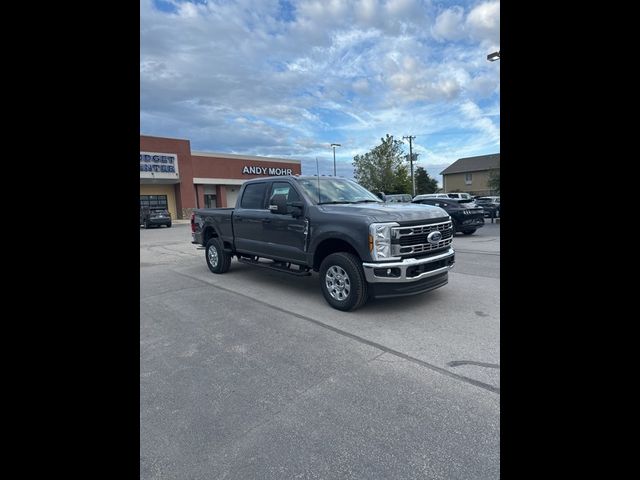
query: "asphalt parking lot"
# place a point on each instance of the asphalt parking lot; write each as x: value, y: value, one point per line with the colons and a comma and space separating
x: 251, y: 375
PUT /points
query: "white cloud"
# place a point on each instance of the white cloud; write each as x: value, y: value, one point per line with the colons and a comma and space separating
x: 361, y: 85
x: 483, y: 22
x: 483, y: 85
x: 449, y: 25
x: 367, y: 11
x: 187, y: 10
x: 401, y: 7
x: 477, y: 119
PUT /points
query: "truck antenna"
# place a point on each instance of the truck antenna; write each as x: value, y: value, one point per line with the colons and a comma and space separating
x: 318, y: 174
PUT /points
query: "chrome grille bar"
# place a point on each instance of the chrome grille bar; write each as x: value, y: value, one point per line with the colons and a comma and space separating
x: 404, y: 234
x: 399, y: 232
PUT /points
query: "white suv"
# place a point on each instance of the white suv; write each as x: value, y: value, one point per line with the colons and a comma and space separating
x: 431, y: 195
x: 460, y: 196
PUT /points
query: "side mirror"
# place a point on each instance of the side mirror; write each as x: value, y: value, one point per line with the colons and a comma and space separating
x: 297, y: 209
x: 278, y: 204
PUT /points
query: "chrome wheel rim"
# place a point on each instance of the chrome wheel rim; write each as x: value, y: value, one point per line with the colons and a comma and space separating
x: 212, y: 254
x: 338, y: 283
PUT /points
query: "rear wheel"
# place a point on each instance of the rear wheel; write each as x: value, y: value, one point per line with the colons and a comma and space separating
x: 218, y: 260
x: 342, y: 281
x: 168, y: 225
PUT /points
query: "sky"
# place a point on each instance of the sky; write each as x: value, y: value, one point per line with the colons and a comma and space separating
x: 286, y: 78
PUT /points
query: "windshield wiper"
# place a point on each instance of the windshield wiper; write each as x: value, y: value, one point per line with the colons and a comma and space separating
x: 334, y: 202
x: 368, y: 201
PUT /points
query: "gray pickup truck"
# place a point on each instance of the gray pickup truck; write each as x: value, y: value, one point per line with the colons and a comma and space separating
x: 362, y: 247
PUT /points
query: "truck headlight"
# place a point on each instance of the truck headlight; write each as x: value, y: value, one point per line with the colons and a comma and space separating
x: 380, y: 241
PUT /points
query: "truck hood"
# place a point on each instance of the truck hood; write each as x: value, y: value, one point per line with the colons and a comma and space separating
x: 387, y: 212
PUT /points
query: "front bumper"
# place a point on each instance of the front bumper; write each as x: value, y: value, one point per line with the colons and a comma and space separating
x: 410, y: 269
x: 392, y: 290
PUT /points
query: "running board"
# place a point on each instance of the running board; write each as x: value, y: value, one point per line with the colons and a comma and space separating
x: 297, y: 273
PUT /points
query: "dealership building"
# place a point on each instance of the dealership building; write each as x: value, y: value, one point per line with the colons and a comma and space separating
x: 174, y: 177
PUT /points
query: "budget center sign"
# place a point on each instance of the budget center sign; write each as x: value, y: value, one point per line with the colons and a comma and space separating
x: 158, y: 165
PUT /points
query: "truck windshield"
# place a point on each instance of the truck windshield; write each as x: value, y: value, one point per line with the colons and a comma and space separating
x: 335, y: 190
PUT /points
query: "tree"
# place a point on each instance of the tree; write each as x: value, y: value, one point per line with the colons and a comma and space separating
x: 494, y: 180
x: 402, y: 180
x: 424, y: 183
x: 382, y: 169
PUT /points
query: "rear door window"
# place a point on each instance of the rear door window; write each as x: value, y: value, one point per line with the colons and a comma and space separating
x: 253, y: 196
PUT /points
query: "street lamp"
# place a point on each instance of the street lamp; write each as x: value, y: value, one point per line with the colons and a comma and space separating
x: 492, y: 57
x: 334, y: 145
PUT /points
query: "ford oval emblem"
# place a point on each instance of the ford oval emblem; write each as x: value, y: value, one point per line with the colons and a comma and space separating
x: 434, y: 237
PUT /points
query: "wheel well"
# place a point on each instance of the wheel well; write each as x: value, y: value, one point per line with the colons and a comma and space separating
x: 329, y: 246
x: 209, y: 233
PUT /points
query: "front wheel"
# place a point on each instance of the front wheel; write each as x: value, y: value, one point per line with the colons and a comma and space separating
x: 469, y: 231
x: 342, y: 281
x: 218, y: 260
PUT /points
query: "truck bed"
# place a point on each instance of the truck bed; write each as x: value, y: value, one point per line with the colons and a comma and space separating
x: 221, y: 219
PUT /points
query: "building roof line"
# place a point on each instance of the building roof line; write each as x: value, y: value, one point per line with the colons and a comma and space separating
x: 167, y: 138
x: 233, y: 156
x: 473, y: 164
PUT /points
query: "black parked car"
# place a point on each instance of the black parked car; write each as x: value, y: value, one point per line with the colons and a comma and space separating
x: 491, y: 206
x: 466, y: 217
x: 154, y: 217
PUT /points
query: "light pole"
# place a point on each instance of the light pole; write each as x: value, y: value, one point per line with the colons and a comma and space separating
x: 492, y: 57
x: 334, y: 145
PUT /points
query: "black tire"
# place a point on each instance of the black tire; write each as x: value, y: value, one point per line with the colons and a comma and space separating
x: 455, y: 228
x: 469, y: 231
x: 146, y: 224
x: 220, y: 261
x: 168, y: 225
x: 354, y: 283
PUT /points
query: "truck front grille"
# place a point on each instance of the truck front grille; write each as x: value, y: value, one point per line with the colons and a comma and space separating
x: 406, y: 241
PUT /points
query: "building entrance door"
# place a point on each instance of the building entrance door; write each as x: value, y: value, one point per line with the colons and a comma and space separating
x: 210, y: 201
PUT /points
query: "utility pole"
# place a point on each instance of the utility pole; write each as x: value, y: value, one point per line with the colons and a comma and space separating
x: 334, y: 145
x: 413, y: 180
